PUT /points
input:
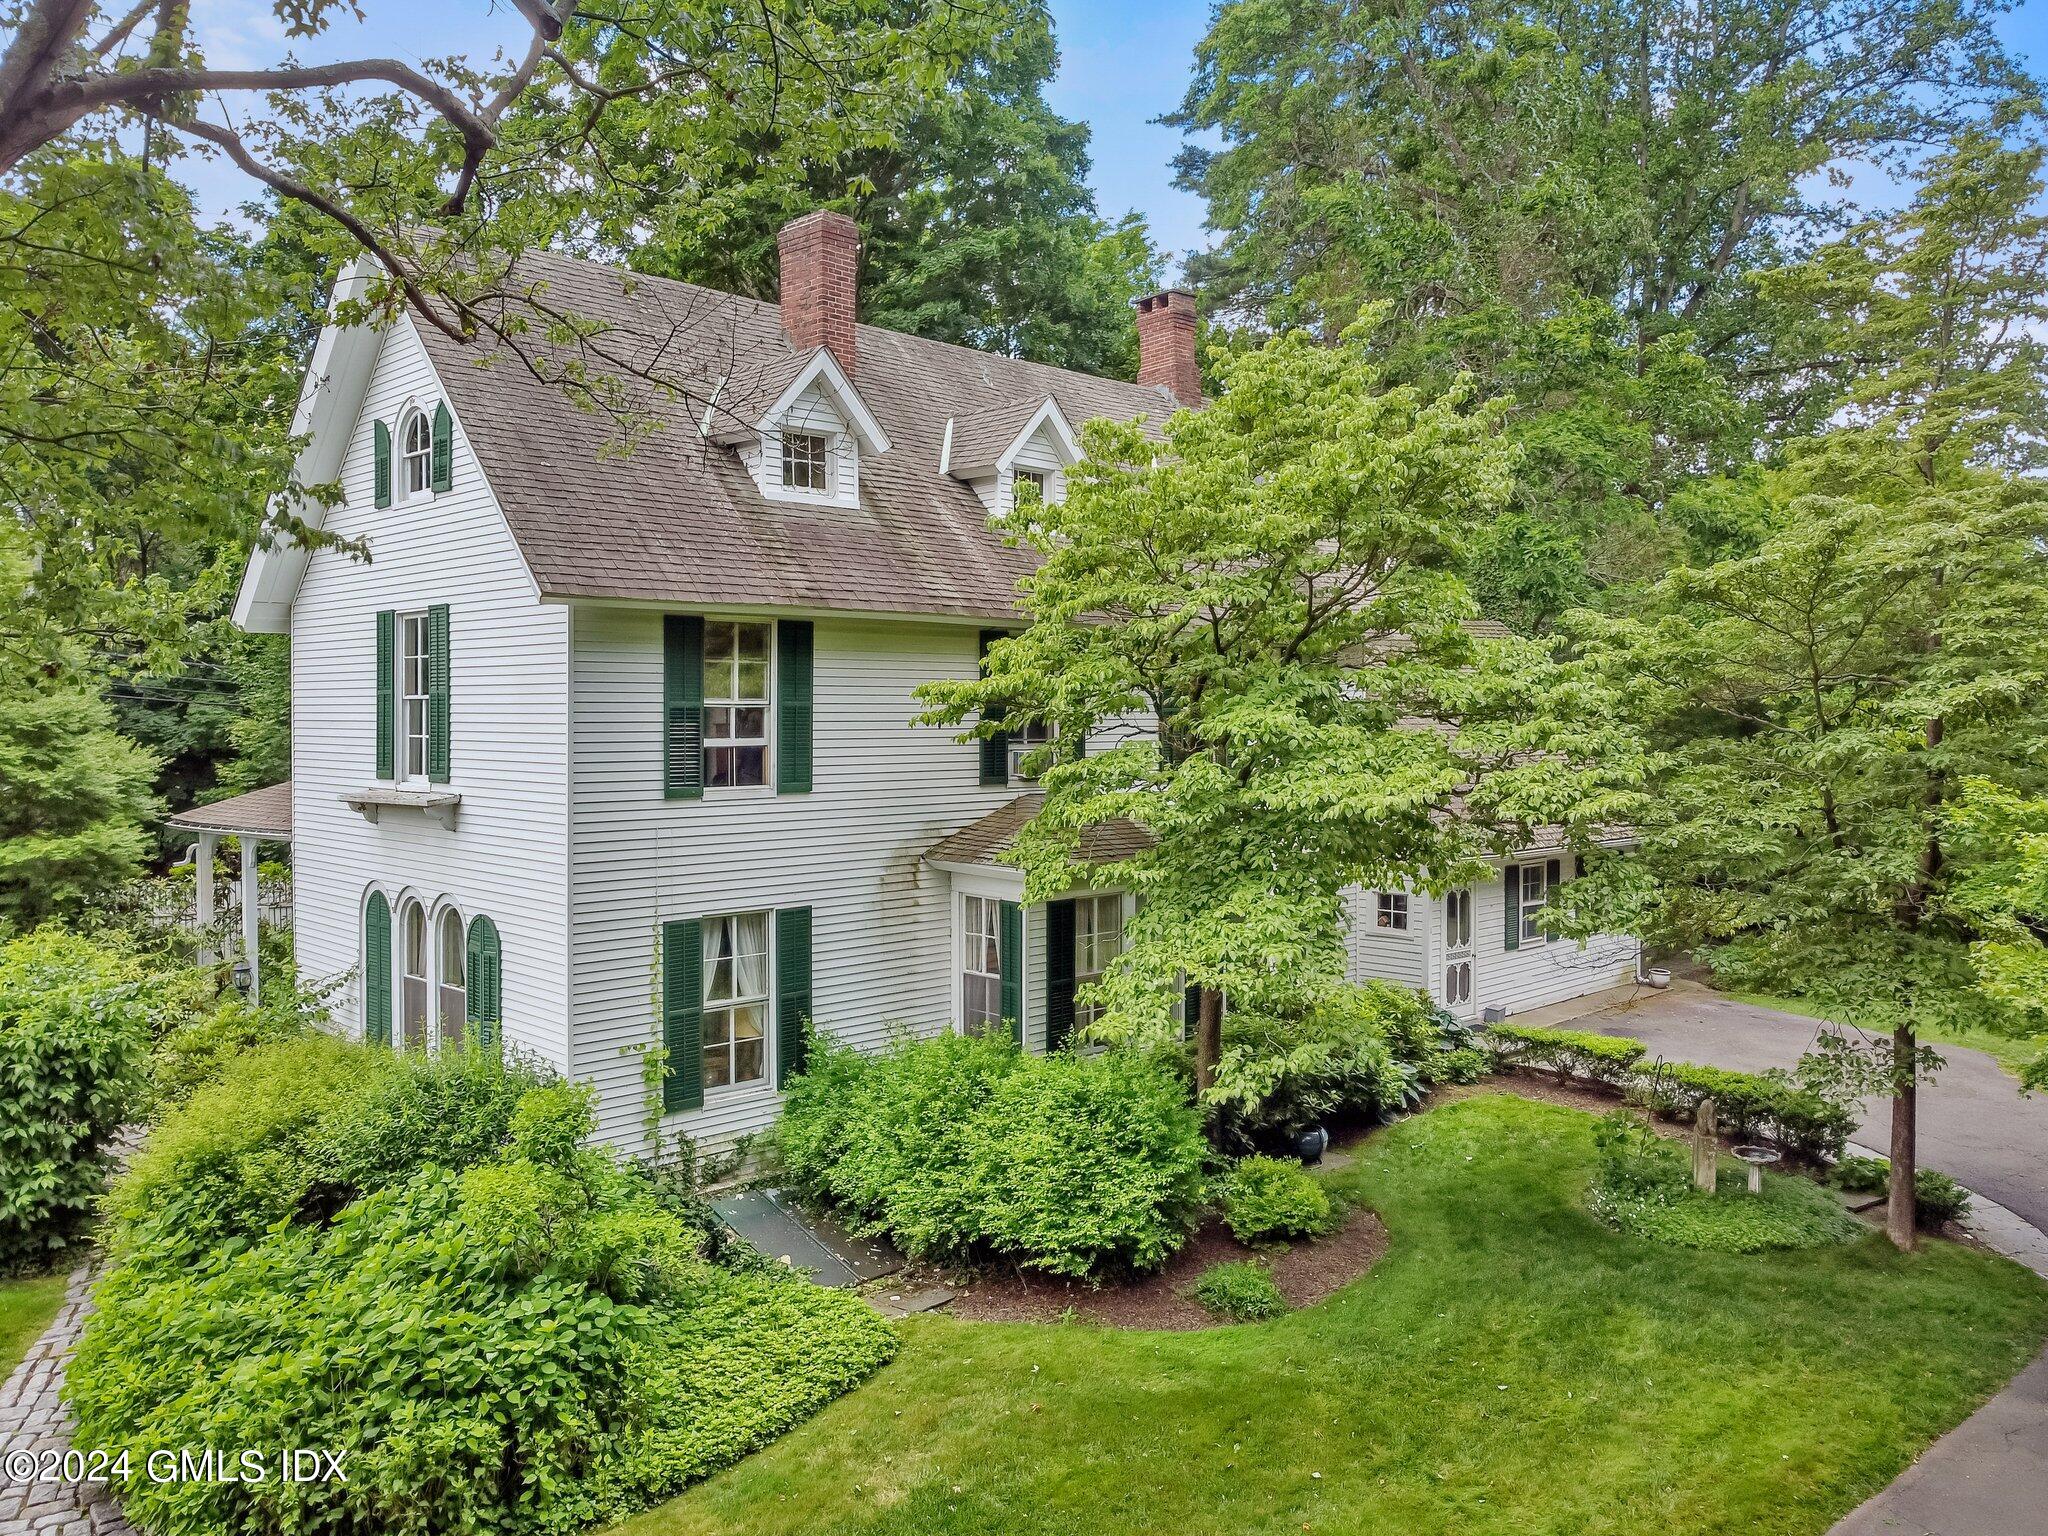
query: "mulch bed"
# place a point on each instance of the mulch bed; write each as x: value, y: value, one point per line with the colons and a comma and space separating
x: 1305, y: 1273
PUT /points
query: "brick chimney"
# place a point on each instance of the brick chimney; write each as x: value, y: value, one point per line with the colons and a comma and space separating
x: 820, y: 256
x: 1166, y: 344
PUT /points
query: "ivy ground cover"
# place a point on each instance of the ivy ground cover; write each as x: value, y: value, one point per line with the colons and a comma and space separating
x: 1512, y: 1366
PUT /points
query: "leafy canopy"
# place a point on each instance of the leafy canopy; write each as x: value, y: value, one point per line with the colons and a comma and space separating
x: 1279, y: 585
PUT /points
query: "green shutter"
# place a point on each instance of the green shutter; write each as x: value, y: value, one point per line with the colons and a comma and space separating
x: 486, y: 982
x: 1511, y: 888
x: 387, y: 703
x: 1059, y: 973
x: 792, y: 989
x: 682, y: 1014
x: 793, y: 669
x: 682, y: 706
x: 1553, y: 883
x: 383, y: 456
x: 437, y: 693
x: 1190, y: 1011
x: 444, y: 447
x: 995, y: 750
x: 1010, y: 960
x: 377, y: 970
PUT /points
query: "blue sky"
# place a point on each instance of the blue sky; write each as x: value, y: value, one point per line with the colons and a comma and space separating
x: 1123, y: 63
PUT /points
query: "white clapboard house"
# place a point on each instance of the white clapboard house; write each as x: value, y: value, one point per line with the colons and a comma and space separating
x: 599, y: 749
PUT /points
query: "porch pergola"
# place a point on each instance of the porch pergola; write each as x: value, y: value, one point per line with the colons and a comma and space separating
x: 260, y: 816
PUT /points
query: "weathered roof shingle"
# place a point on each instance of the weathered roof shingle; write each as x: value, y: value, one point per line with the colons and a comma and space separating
x: 678, y: 519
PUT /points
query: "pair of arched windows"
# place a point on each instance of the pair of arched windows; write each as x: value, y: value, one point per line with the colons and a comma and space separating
x: 430, y: 980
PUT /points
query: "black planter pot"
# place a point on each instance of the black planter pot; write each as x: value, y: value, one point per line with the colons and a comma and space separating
x: 1312, y: 1143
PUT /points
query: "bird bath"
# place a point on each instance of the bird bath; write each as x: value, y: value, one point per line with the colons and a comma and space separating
x: 1758, y: 1159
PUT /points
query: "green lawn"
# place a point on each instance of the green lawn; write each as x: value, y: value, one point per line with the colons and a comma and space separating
x: 2012, y: 1052
x: 26, y: 1307
x: 1511, y: 1366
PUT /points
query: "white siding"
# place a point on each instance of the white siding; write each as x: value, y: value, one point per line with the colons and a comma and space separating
x: 1542, y: 971
x: 1041, y: 452
x: 1385, y: 953
x: 852, y: 849
x: 509, y: 731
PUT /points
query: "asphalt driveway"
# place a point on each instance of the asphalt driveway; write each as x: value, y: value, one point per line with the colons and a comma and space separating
x: 1974, y: 1124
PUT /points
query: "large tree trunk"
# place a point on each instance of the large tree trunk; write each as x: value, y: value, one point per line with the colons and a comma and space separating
x: 1902, y: 1216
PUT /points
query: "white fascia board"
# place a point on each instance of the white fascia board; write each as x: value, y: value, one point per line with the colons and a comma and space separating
x: 1052, y: 418
x: 824, y: 368
x: 337, y: 379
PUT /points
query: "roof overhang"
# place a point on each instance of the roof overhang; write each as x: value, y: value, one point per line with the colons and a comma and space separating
x: 332, y: 395
x: 822, y: 368
x: 977, y: 464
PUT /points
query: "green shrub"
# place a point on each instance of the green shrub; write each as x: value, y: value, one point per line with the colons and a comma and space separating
x: 211, y: 1031
x: 1266, y: 1200
x: 888, y: 1138
x: 1937, y: 1197
x: 963, y: 1148
x: 733, y: 1361
x: 1791, y: 1212
x: 1609, y: 1059
x: 300, y: 1128
x: 1242, y: 1292
x: 527, y: 1345
x: 1363, y: 1052
x: 74, y: 1042
x: 1753, y: 1104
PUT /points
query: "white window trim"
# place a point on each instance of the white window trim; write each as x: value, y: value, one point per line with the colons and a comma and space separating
x: 768, y: 720
x: 437, y: 910
x: 401, y: 622
x: 1524, y: 905
x: 401, y: 491
x: 857, y: 433
x: 765, y: 1084
x: 1125, y: 910
x: 1391, y: 911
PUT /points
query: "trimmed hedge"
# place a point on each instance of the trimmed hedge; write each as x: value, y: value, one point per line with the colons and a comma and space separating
x: 75, y: 1022
x: 1607, y: 1059
x: 1750, y: 1104
x: 1766, y: 1104
x: 964, y: 1148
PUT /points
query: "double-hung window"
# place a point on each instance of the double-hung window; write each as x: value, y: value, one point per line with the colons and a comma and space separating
x: 807, y: 462
x: 736, y: 683
x: 1027, y: 481
x: 1535, y: 893
x: 981, y: 970
x: 1098, y: 939
x: 1393, y: 910
x: 735, y: 1018
x: 454, y: 995
x: 416, y: 454
x: 415, y: 719
x: 412, y: 927
x: 1022, y: 743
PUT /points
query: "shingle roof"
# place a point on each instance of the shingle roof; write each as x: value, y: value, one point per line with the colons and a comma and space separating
x: 678, y: 519
x: 979, y: 437
x: 981, y: 842
x: 264, y: 812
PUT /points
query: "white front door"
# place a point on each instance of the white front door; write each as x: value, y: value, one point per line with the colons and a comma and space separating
x: 1457, y: 978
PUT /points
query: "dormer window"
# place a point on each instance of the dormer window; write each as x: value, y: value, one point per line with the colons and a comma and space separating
x: 416, y: 454
x: 806, y: 462
x: 1031, y: 479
